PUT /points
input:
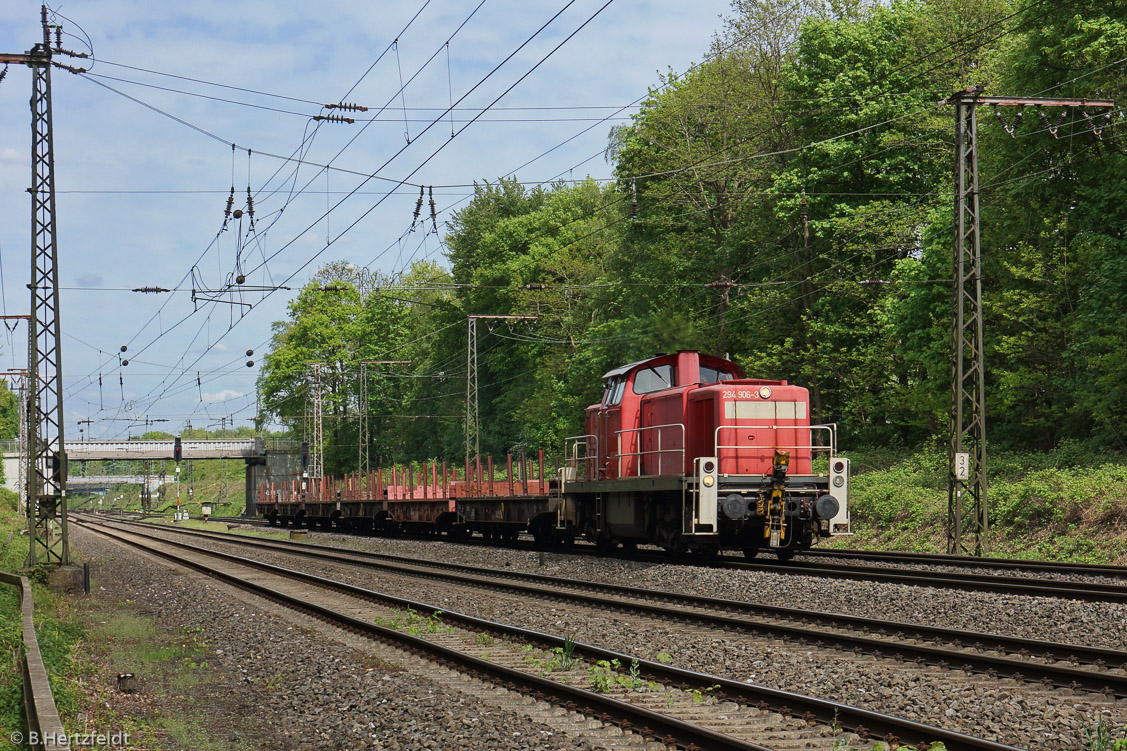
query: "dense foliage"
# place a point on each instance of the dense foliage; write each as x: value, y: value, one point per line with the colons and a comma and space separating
x: 786, y: 202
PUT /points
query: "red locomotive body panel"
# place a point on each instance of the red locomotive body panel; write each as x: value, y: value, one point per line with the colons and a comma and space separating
x: 748, y: 420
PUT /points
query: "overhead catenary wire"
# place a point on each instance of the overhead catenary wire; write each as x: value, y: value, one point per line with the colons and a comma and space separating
x: 306, y: 138
x: 465, y: 95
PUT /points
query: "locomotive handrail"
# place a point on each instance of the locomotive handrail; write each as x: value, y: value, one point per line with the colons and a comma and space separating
x: 39, y: 702
x: 830, y: 429
x: 659, y: 451
x: 587, y: 456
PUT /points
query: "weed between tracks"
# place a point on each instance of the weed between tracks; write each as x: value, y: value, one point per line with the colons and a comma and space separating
x: 414, y: 623
x: 1103, y: 737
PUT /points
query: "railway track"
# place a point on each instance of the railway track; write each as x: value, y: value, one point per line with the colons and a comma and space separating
x: 661, y: 703
x: 1019, y: 585
x: 1065, y: 666
x: 962, y: 561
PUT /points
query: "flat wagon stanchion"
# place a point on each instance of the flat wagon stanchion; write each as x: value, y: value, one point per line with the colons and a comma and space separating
x: 45, y: 729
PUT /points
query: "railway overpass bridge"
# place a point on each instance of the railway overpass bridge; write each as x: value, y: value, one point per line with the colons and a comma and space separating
x: 258, y: 453
x: 86, y: 482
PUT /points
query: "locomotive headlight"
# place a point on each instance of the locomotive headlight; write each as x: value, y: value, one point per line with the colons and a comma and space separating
x: 708, y: 481
x: 765, y: 393
x: 839, y: 481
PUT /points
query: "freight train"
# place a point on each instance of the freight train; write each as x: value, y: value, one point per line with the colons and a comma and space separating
x: 683, y: 451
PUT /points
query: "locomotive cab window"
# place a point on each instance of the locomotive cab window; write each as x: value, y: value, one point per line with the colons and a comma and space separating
x: 713, y: 375
x: 613, y: 395
x: 653, y: 379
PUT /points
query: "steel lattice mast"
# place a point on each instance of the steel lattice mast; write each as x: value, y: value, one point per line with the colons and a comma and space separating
x: 966, y: 488
x: 473, y: 427
x: 316, y: 448
x: 364, y: 461
x: 473, y: 419
x: 968, y: 522
x: 45, y: 460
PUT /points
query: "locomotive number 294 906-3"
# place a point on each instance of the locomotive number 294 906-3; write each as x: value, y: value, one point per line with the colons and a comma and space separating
x: 738, y: 394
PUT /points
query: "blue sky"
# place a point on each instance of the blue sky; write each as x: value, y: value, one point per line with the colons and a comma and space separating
x: 141, y: 196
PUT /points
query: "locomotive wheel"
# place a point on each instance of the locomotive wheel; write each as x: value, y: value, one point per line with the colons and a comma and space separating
x: 547, y: 538
x: 785, y: 554
x: 677, y: 546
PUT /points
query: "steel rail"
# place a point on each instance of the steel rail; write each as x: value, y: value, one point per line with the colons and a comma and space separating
x: 43, y: 723
x: 945, y: 559
x: 866, y: 723
x: 1064, y: 676
x: 1019, y: 585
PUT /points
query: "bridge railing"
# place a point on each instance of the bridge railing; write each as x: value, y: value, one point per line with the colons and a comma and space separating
x: 163, y: 449
x: 77, y: 448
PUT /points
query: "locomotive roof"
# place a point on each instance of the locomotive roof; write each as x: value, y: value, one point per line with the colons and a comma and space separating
x: 626, y: 368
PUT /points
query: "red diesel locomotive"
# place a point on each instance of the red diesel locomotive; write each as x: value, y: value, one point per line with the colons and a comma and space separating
x: 683, y: 452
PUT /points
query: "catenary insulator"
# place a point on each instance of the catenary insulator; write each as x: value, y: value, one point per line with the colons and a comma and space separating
x: 418, y: 207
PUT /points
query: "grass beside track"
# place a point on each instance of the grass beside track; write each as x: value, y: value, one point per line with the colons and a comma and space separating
x: 1065, y: 505
x: 56, y: 625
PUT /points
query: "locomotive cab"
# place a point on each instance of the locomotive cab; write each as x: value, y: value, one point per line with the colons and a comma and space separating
x: 685, y: 452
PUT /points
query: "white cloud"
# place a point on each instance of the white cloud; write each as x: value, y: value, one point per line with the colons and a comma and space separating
x: 8, y: 155
x: 222, y: 396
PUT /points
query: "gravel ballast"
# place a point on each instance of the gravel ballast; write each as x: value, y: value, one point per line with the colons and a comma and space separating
x: 1022, y: 714
x: 319, y: 692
